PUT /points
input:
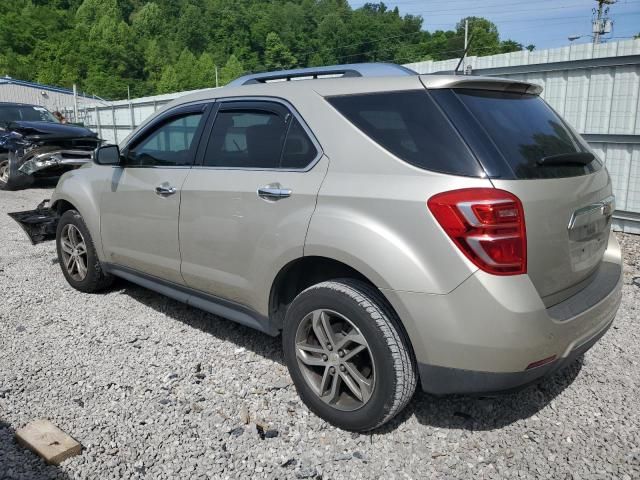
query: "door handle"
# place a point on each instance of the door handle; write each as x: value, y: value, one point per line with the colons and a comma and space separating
x: 165, y: 190
x: 273, y: 192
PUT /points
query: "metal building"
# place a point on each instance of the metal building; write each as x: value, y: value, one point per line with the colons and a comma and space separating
x: 52, y: 98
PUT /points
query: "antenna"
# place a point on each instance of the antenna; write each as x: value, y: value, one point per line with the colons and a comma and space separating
x: 464, y: 55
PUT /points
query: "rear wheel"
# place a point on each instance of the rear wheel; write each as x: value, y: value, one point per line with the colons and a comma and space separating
x: 77, y: 255
x: 347, y: 355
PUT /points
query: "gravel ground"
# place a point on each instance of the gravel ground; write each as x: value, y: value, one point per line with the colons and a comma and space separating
x: 154, y: 389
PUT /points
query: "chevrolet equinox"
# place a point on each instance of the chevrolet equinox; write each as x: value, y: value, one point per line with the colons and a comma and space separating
x: 395, y: 228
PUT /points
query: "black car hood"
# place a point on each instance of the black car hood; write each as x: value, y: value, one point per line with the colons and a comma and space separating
x: 49, y: 130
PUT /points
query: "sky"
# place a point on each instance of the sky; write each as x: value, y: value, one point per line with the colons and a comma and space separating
x: 543, y: 23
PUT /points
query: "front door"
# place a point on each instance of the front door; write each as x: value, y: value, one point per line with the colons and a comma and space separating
x: 246, y: 208
x: 140, y: 210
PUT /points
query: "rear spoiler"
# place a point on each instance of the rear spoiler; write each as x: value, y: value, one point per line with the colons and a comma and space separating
x: 480, y: 83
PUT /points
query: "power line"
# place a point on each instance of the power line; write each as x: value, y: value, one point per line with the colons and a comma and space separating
x: 483, y: 11
x: 506, y: 7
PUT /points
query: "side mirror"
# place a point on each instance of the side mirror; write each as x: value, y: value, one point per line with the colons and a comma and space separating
x: 107, y: 155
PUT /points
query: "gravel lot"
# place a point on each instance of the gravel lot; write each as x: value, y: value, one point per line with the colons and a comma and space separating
x: 154, y: 389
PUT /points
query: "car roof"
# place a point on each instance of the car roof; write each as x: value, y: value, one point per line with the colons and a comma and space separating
x: 358, y: 85
x: 16, y: 104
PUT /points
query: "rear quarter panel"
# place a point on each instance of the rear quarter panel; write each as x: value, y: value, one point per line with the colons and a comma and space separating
x: 372, y: 212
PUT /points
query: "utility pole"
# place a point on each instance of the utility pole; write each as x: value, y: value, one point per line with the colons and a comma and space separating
x: 216, y: 69
x: 602, y: 24
x: 75, y: 103
x: 466, y: 44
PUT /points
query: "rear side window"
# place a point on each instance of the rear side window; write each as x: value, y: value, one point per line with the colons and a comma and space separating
x: 258, y: 138
x: 411, y: 126
x: 246, y: 139
x: 525, y: 129
x: 299, y: 151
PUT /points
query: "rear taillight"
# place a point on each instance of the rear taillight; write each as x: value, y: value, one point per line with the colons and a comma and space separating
x: 487, y: 225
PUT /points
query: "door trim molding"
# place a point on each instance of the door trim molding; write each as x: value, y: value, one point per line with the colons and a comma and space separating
x: 195, y: 298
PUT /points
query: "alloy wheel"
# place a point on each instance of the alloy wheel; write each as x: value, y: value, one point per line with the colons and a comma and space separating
x: 335, y: 360
x: 4, y: 171
x: 74, y: 252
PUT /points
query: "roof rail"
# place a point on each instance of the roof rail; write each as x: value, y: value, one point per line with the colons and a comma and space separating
x: 333, y: 71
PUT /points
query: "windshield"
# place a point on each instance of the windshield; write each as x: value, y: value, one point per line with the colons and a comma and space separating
x: 12, y: 113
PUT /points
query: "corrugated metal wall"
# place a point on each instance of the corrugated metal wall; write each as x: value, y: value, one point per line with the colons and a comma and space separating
x: 115, y: 121
x: 51, y: 100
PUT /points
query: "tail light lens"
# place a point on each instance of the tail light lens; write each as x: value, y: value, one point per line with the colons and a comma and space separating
x: 487, y: 224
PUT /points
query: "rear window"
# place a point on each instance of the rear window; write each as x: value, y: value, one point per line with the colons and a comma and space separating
x: 525, y: 129
x: 411, y: 126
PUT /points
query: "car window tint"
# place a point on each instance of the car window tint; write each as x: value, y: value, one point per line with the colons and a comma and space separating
x: 246, y: 139
x: 12, y: 113
x: 168, y: 145
x: 299, y: 151
x: 411, y: 126
x: 525, y: 130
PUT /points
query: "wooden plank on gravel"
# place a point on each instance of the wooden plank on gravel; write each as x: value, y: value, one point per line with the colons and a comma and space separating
x: 48, y: 441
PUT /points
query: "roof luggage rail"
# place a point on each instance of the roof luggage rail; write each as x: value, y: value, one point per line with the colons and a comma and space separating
x: 332, y: 71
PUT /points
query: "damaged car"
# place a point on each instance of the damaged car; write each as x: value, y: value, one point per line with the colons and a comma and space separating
x: 34, y: 144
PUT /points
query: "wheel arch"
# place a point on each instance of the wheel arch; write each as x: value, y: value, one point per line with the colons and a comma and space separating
x: 75, y: 191
x: 301, y: 273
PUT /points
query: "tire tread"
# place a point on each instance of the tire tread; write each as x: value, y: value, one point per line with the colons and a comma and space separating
x: 368, y: 298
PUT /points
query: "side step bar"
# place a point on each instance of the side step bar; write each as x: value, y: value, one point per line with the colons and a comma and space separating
x: 39, y: 224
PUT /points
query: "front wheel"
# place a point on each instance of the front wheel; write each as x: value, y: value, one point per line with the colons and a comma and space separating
x: 77, y: 255
x: 348, y: 355
x: 11, y: 178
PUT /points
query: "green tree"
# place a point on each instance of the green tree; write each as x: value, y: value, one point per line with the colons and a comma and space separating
x: 156, y: 46
x: 149, y: 21
x: 168, y: 80
x: 510, y: 46
x: 231, y: 70
x: 276, y: 54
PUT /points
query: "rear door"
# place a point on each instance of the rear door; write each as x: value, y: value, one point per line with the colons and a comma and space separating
x: 247, y: 205
x: 140, y: 209
x: 531, y: 152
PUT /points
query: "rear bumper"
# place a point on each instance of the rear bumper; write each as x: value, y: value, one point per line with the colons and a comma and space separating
x: 483, y: 336
x: 442, y: 380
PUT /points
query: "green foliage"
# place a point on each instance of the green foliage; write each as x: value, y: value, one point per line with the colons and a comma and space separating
x: 232, y: 69
x: 158, y: 46
x: 276, y: 54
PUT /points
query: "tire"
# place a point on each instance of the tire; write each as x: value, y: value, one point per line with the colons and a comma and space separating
x: 89, y: 277
x: 10, y: 177
x: 355, y: 310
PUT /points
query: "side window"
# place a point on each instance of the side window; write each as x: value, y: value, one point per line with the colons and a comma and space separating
x: 246, y: 139
x: 168, y: 145
x: 299, y: 151
x: 410, y: 125
x: 256, y: 136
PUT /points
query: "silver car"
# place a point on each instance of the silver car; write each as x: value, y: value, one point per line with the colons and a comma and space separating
x: 395, y: 228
